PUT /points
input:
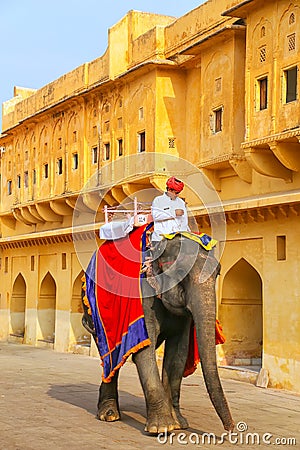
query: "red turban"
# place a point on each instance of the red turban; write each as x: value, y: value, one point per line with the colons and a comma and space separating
x: 174, y: 183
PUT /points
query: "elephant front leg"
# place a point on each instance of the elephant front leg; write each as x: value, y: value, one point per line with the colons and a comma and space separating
x: 108, y: 403
x: 159, y: 413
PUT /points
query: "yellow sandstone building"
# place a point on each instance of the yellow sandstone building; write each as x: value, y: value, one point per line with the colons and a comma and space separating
x: 216, y: 90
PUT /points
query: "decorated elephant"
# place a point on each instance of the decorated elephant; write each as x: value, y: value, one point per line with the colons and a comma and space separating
x: 186, y: 273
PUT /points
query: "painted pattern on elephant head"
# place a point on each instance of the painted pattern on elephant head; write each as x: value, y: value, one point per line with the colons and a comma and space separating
x: 182, y: 257
x: 181, y: 264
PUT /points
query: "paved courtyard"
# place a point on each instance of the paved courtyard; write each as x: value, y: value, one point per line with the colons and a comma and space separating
x: 48, y: 401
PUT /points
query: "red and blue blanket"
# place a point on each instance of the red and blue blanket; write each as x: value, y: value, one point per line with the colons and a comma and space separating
x: 113, y: 292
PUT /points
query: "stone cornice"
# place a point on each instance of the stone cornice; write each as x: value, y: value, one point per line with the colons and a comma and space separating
x: 57, y: 236
x: 86, y: 90
x: 220, y: 159
x: 271, y: 138
x: 247, y: 210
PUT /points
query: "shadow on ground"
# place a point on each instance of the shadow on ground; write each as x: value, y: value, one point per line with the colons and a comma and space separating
x: 85, y: 396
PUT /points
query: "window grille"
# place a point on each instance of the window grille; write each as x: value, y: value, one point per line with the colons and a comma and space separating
x: 291, y: 42
x: 262, y: 54
x: 171, y: 142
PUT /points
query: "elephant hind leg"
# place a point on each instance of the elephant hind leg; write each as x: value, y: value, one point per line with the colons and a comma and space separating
x: 108, y: 403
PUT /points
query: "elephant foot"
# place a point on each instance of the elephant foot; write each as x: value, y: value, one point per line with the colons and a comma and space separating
x: 182, y: 423
x: 160, y: 423
x: 108, y: 411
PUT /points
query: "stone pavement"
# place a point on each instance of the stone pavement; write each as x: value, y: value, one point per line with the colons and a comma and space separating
x: 48, y: 401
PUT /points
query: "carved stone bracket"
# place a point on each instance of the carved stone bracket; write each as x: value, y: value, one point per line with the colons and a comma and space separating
x: 33, y: 211
x: 275, y: 155
x: 47, y: 213
x: 265, y: 162
x: 19, y: 217
x: 91, y: 200
x: 288, y: 153
x: 26, y: 214
x: 61, y: 208
x: 118, y: 193
x: 159, y: 182
x: 242, y: 168
x: 9, y: 221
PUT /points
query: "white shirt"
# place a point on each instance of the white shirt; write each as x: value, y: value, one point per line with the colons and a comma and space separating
x: 164, y: 216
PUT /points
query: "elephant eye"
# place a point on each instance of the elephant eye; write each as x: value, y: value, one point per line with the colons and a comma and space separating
x: 181, y: 274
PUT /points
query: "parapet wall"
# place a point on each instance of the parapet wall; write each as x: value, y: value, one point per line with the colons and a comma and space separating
x: 129, y: 42
x: 136, y: 38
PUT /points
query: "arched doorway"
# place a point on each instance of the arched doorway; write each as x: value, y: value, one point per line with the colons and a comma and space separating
x: 240, y: 314
x: 17, y: 307
x: 46, y: 309
x: 79, y: 335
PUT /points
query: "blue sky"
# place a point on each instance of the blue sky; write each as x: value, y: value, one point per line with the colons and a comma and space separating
x: 43, y: 40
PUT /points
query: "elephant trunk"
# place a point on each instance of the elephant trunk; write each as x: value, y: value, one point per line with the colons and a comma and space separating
x: 204, y: 315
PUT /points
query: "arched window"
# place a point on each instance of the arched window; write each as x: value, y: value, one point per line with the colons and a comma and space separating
x: 46, y: 309
x: 79, y: 335
x: 240, y: 314
x: 17, y: 307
